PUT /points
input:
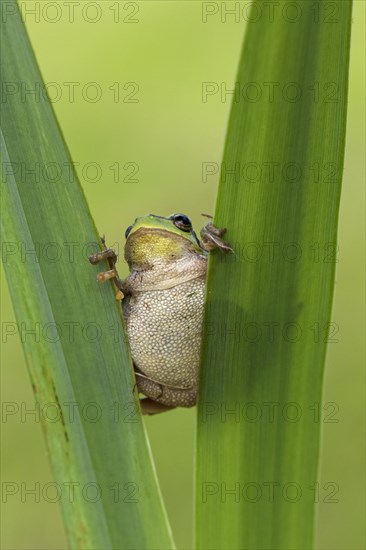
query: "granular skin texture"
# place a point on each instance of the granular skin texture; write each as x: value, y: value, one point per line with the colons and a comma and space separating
x: 164, y: 329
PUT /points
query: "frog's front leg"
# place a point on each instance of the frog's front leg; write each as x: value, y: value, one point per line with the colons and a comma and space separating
x: 162, y: 398
x: 109, y: 255
x: 211, y: 238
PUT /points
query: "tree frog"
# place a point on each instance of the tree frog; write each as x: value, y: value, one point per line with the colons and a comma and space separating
x: 163, y: 304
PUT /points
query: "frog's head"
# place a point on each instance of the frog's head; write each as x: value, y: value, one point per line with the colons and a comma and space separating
x: 155, y: 239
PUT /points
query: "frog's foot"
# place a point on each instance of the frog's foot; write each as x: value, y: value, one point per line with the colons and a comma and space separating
x: 149, y: 406
x: 109, y: 255
x: 167, y: 396
x: 211, y: 238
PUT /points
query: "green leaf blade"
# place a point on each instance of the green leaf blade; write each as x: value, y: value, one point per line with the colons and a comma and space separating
x: 269, y: 305
x: 71, y: 327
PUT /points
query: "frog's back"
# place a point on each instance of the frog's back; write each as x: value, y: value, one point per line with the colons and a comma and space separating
x: 164, y: 329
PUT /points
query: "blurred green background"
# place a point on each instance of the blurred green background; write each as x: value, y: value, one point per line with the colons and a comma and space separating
x: 168, y: 52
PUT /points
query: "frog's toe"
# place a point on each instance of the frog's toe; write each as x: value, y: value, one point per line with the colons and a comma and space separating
x: 211, y: 238
x: 212, y: 229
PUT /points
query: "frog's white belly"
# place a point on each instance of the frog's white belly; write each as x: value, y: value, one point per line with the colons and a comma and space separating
x: 164, y: 329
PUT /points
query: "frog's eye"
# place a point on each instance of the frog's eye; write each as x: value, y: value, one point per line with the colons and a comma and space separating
x: 128, y: 230
x: 182, y: 222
